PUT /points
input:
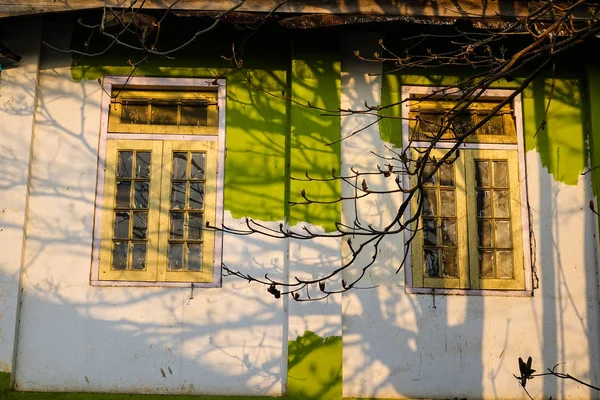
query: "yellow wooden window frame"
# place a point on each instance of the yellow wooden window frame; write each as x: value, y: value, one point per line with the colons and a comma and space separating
x: 170, y: 97
x: 518, y: 280
x: 417, y: 106
x: 467, y: 227
x: 158, y: 211
x: 418, y: 262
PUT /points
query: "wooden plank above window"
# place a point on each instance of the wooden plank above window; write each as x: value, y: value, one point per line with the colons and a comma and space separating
x: 409, y: 8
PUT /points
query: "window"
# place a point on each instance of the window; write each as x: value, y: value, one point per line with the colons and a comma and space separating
x: 160, y: 183
x: 471, y: 221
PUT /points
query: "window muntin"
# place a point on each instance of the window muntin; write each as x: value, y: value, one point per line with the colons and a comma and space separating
x: 156, y: 191
x: 492, y: 238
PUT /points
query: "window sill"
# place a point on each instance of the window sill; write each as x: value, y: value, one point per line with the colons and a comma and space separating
x: 469, y: 292
x: 155, y: 284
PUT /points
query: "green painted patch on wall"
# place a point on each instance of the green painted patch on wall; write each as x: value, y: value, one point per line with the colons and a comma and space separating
x: 257, y: 130
x: 315, y: 367
x: 314, y: 138
x: 593, y: 78
x: 269, y: 139
x: 390, y: 124
x: 561, y: 142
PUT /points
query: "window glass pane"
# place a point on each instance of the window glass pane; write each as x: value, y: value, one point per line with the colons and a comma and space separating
x: 429, y: 232
x: 448, y: 229
x: 163, y: 114
x: 503, y: 234
x: 138, y: 256
x: 428, y: 170
x: 197, y: 166
x: 140, y: 225
x: 484, y: 200
x: 462, y: 122
x: 178, y: 195
x: 429, y: 202
x: 449, y: 261
x: 500, y: 174
x: 504, y: 264
x: 446, y: 172
x: 134, y: 113
x: 121, y: 230
x: 120, y: 255
x: 123, y: 194
x: 179, y: 165
x: 482, y: 173
x: 486, y: 264
x: 501, y: 204
x: 140, y: 198
x: 175, y: 256
x: 195, y: 226
x: 447, y: 206
x: 194, y: 115
x: 125, y: 164
x: 494, y: 126
x: 196, y: 195
x: 142, y: 165
x: 177, y: 221
x: 432, y: 264
x: 429, y: 123
x: 194, y: 257
x: 484, y: 233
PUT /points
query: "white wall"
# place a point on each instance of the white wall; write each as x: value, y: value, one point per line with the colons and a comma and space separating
x: 405, y: 345
x: 17, y: 98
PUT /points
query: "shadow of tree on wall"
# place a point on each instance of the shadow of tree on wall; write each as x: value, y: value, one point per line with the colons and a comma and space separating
x: 142, y: 337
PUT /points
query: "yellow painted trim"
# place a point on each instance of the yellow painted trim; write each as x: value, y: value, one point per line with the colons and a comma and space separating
x: 108, y: 211
x: 158, y: 213
x: 439, y: 106
x: 518, y: 281
x: 417, y: 261
x: 467, y: 227
x: 210, y: 197
x: 173, y: 97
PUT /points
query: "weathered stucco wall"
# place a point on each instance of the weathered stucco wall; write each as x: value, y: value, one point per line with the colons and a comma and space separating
x: 18, y: 86
x: 124, y: 339
x: 232, y: 340
x: 396, y: 344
